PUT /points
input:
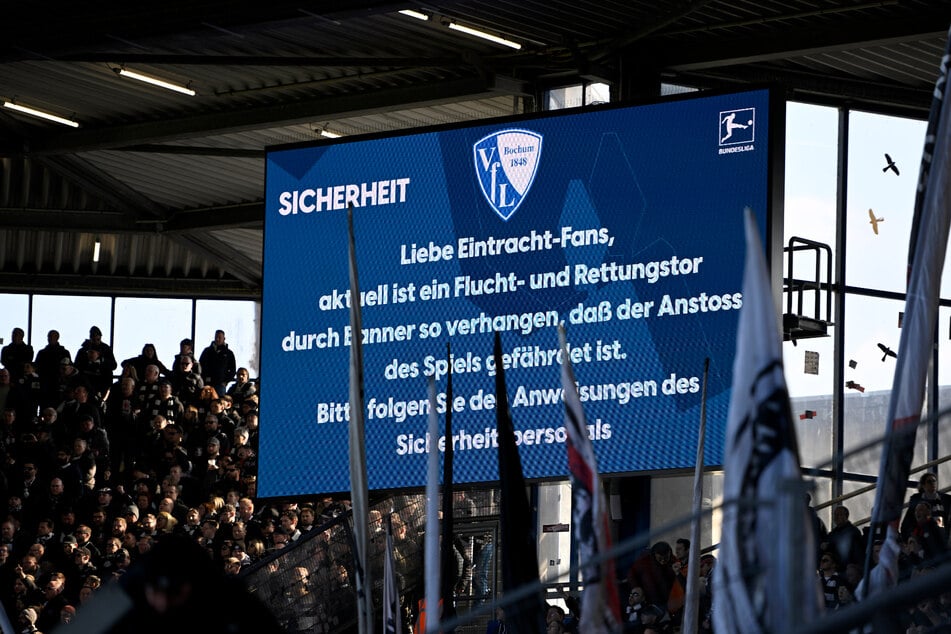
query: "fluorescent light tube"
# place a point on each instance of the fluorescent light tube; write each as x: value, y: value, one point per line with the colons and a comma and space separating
x: 39, y: 113
x: 485, y: 36
x: 95, y: 250
x: 131, y: 74
x: 415, y: 14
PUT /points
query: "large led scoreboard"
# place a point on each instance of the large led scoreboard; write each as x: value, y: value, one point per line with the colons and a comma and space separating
x: 623, y: 222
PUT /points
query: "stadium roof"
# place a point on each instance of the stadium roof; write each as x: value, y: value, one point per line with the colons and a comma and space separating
x: 171, y: 185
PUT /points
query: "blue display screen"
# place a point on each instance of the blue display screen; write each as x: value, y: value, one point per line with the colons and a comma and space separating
x: 625, y: 223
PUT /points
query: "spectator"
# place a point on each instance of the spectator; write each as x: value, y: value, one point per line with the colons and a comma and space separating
x: 655, y: 620
x: 165, y: 524
x: 25, y: 594
x: 47, y: 364
x: 217, y: 363
x: 186, y: 348
x: 53, y: 602
x: 930, y: 535
x: 147, y: 392
x: 652, y: 572
x: 29, y: 395
x: 97, y: 441
x: 829, y: 579
x: 707, y: 564
x: 105, y: 358
x: 242, y: 388
x: 167, y: 404
x: 940, y: 504
x: 75, y: 410
x: 83, y: 458
x: 632, y: 611
x: 207, y: 395
x: 122, y: 408
x: 148, y: 357
x: 94, y: 372
x: 845, y: 539
x: 678, y: 590
x: 15, y: 355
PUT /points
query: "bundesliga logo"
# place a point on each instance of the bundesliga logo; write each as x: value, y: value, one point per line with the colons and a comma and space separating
x: 737, y: 126
x: 506, y: 163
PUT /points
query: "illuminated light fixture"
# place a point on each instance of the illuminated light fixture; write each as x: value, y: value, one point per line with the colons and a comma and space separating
x: 324, y: 132
x: 39, y: 113
x: 485, y: 36
x: 415, y: 14
x: 131, y: 74
x: 95, y: 250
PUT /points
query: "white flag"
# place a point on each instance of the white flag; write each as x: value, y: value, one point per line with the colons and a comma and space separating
x: 764, y: 543
x: 600, y: 608
x: 928, y: 244
x: 431, y: 538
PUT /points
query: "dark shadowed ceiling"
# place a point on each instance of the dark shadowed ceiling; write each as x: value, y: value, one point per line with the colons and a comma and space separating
x: 172, y: 185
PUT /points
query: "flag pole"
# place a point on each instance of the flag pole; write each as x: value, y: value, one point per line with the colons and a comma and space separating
x: 431, y: 538
x: 357, y: 440
x: 691, y: 620
x: 448, y: 578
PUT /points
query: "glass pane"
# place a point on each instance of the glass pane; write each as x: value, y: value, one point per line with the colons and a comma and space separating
x: 813, y: 414
x: 672, y: 502
x: 868, y: 323
x: 597, y: 93
x: 821, y: 494
x: 14, y: 312
x: 72, y: 317
x: 878, y: 260
x: 811, y: 141
x: 567, y: 97
x: 162, y: 322
x: 241, y: 321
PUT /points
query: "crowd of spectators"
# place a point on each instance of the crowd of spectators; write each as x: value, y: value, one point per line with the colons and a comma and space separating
x: 656, y: 581
x: 97, y: 471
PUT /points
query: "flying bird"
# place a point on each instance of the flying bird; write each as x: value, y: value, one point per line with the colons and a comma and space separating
x: 891, y: 165
x: 852, y: 385
x: 886, y: 352
x: 874, y: 221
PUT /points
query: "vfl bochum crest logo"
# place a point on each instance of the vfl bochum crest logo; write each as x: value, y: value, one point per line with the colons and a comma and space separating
x: 506, y: 163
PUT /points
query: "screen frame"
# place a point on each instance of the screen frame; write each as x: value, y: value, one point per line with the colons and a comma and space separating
x: 774, y: 214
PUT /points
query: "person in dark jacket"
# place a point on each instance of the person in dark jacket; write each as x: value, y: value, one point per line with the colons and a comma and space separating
x: 846, y: 539
x: 48, y: 361
x: 16, y: 354
x: 940, y: 504
x: 217, y: 363
x: 653, y: 573
x: 96, y: 361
